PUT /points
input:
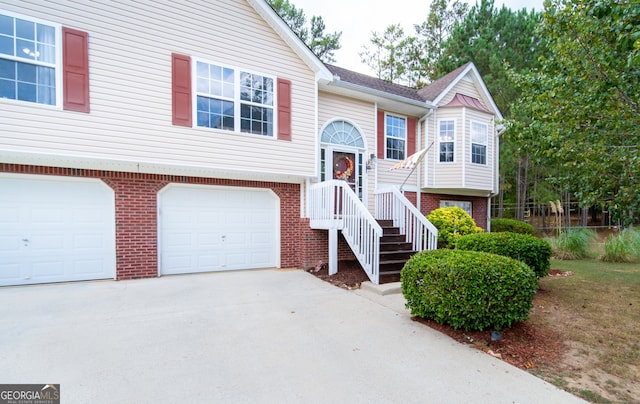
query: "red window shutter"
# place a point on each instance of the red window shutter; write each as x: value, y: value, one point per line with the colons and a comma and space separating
x: 381, y: 135
x: 284, y: 109
x: 75, y: 70
x: 411, y: 136
x: 181, y: 90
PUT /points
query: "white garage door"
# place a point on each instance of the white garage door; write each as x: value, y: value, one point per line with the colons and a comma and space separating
x: 207, y: 228
x: 55, y: 229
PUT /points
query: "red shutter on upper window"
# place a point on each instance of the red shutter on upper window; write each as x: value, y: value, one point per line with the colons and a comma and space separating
x: 381, y: 135
x: 284, y: 109
x: 181, y: 90
x: 411, y: 136
x: 75, y: 70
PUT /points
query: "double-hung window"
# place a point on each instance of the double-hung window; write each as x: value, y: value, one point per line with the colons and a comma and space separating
x: 235, y: 100
x: 446, y: 139
x: 478, y: 143
x: 396, y: 137
x: 29, y: 61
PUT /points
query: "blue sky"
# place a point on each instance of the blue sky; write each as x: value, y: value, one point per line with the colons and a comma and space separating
x: 357, y: 19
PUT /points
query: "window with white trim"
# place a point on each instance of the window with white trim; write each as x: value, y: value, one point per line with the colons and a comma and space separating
x: 478, y: 143
x: 464, y: 205
x: 235, y: 100
x: 29, y: 61
x: 446, y: 139
x: 395, y: 133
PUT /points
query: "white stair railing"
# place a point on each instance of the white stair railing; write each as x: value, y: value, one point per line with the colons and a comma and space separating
x: 333, y: 204
x: 419, y: 231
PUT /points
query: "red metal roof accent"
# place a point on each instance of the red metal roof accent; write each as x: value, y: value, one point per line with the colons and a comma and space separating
x: 460, y: 100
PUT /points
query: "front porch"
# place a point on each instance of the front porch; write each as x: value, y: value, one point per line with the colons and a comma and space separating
x: 382, y: 241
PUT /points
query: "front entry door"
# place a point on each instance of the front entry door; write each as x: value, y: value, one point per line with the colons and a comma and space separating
x: 345, y: 167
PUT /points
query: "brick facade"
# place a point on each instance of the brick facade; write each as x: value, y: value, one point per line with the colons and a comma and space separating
x: 136, y: 216
x: 430, y: 202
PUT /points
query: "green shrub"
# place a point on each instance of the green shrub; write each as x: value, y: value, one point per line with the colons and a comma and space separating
x: 511, y: 225
x: 573, y: 244
x: 523, y: 247
x: 452, y: 222
x: 468, y: 289
x: 622, y: 247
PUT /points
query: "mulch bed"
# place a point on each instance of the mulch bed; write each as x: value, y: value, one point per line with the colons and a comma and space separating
x: 523, y: 345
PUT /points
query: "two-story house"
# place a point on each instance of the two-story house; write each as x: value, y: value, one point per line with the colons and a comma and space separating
x: 147, y: 138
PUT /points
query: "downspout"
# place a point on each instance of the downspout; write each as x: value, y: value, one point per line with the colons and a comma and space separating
x: 419, y: 147
x: 496, y: 168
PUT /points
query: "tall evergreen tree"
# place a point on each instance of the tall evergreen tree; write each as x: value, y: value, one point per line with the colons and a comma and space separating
x: 312, y: 33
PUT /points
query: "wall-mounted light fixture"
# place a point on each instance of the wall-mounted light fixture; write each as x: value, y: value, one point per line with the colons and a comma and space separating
x: 371, y: 163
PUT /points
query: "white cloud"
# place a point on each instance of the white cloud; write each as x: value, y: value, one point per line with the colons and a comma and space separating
x: 357, y: 19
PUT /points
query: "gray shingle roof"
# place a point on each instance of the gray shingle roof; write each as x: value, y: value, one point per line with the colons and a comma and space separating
x: 433, y: 90
x: 426, y: 94
x: 374, y: 83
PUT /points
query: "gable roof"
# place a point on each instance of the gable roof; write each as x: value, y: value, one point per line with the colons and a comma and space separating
x: 374, y: 83
x: 286, y: 33
x: 433, y: 90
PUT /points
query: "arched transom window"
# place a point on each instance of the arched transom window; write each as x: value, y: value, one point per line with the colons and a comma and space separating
x: 344, y: 133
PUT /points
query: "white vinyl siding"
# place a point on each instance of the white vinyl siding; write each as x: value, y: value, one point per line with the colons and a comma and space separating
x: 481, y: 176
x: 362, y: 114
x: 466, y: 87
x: 129, y: 127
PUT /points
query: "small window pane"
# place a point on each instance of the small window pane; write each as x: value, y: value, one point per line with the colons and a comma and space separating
x: 7, y: 89
x: 46, y: 34
x: 7, y: 69
x: 27, y: 72
x: 46, y: 95
x: 6, y: 45
x: 6, y: 25
x: 27, y: 92
x: 215, y: 72
x: 46, y: 76
x: 202, y: 70
x: 25, y: 29
x: 25, y: 49
x: 46, y: 53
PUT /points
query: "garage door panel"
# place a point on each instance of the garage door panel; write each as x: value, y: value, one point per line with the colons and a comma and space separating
x: 62, y: 229
x: 212, y: 240
x: 9, y: 272
x: 229, y: 225
x: 47, y: 268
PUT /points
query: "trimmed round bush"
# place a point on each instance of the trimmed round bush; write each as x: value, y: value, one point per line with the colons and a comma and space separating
x: 523, y: 247
x: 468, y: 289
x: 511, y: 225
x: 452, y: 222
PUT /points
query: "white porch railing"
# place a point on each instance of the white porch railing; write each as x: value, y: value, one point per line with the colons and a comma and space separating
x: 334, y: 205
x: 420, y: 232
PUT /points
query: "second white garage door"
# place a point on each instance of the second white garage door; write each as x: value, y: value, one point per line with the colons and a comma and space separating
x: 207, y: 228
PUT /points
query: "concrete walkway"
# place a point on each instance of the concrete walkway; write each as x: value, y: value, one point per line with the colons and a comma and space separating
x: 267, y: 336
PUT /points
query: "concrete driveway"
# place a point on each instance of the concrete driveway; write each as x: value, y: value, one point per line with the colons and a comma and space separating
x: 267, y: 336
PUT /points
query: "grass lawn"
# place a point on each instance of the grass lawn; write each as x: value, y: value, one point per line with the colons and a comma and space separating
x: 597, y: 313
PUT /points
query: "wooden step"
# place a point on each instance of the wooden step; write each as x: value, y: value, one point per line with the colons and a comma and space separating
x: 395, y: 246
x: 386, y: 256
x: 385, y: 223
x: 393, y: 238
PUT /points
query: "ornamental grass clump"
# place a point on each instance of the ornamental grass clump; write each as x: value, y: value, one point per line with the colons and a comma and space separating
x: 573, y: 244
x: 468, y: 289
x: 452, y: 222
x: 622, y: 247
x: 523, y: 247
x: 511, y: 225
